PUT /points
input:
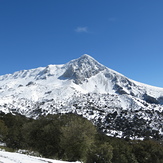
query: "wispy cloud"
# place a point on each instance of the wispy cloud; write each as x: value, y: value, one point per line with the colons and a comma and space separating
x: 81, y: 29
x: 112, y: 19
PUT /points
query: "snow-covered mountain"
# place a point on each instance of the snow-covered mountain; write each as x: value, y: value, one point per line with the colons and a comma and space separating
x: 118, y: 105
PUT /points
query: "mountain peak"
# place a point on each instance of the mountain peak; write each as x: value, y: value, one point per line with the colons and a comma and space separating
x: 82, y: 68
x: 86, y: 56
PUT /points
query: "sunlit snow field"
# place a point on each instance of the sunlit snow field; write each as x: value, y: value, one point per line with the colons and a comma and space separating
x: 8, y: 157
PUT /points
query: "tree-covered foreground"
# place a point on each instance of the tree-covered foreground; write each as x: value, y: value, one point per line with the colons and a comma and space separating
x: 71, y: 137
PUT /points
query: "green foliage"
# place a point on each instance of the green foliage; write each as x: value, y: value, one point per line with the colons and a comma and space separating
x: 148, y: 151
x: 100, y: 153
x: 14, y: 138
x: 122, y: 152
x: 3, y: 130
x: 71, y: 137
x: 77, y: 138
x: 43, y: 135
x: 7, y: 149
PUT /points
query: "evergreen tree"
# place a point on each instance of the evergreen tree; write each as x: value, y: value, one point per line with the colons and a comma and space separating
x: 3, y: 131
x: 100, y: 153
x: 78, y: 135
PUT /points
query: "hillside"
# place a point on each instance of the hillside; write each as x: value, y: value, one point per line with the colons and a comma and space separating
x: 116, y: 104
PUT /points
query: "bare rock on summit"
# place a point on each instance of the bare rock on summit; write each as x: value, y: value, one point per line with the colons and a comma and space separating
x: 81, y: 69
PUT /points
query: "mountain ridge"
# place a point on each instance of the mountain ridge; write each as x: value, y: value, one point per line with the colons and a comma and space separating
x: 86, y: 87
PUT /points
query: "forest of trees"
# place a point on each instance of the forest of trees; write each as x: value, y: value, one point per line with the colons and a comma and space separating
x: 71, y: 137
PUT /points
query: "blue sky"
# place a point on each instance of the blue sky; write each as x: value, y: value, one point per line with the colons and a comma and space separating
x: 124, y: 35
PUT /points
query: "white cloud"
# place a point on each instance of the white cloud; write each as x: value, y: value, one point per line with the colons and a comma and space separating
x: 81, y: 29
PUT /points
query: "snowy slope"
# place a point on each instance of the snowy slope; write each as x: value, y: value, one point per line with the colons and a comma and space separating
x: 8, y: 157
x: 86, y: 87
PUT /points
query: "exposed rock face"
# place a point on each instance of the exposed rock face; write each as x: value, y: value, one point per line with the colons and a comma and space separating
x: 80, y: 69
x: 150, y: 99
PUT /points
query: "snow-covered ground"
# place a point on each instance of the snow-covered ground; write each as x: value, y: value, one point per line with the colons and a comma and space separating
x: 8, y: 157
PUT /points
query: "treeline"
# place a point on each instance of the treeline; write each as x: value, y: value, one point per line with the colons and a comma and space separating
x: 71, y: 137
